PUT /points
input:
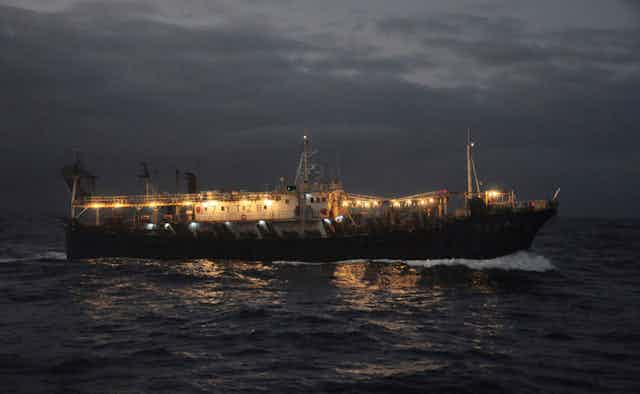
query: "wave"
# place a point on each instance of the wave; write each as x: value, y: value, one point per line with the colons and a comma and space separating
x: 42, y: 256
x: 522, y: 261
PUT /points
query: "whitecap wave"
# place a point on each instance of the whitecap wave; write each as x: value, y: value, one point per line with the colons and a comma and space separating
x: 43, y: 256
x: 286, y: 262
x: 522, y: 261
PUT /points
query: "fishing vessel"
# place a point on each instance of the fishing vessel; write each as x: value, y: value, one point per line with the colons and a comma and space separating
x: 308, y: 220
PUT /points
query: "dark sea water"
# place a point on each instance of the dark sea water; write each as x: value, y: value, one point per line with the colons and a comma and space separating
x: 563, y: 317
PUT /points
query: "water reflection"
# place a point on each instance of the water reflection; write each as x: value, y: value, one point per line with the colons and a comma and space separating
x: 121, y: 289
x: 376, y: 276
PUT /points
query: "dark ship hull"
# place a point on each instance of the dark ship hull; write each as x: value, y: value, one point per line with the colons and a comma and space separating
x: 474, y: 237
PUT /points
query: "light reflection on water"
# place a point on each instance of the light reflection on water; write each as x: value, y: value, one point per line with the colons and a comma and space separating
x: 365, y: 286
x: 378, y: 300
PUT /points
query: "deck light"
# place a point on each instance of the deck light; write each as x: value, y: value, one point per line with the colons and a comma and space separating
x: 210, y: 203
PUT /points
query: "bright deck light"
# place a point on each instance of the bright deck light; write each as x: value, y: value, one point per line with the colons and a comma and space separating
x: 210, y: 203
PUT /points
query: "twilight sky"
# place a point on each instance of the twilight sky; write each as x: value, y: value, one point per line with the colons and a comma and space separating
x: 551, y: 90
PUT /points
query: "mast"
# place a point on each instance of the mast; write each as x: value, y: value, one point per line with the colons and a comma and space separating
x: 306, y: 161
x: 74, y: 189
x: 305, y: 183
x: 146, y: 177
x: 469, y: 165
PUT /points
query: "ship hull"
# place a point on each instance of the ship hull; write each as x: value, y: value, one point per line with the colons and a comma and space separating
x: 480, y: 237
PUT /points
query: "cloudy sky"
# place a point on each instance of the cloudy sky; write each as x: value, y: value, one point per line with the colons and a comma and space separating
x: 387, y: 89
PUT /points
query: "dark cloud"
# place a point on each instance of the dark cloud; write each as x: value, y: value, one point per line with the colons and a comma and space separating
x: 507, y: 41
x: 123, y: 83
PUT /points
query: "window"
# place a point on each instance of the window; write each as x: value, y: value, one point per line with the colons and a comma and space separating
x: 286, y: 201
x: 324, y: 199
x: 222, y: 208
x: 265, y: 207
x: 311, y: 199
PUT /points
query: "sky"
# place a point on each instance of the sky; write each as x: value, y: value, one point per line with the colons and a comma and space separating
x: 386, y: 90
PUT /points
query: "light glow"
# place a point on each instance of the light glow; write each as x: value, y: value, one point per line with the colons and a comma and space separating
x: 210, y: 203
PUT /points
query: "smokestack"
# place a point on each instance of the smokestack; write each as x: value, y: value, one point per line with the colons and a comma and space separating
x: 192, y: 183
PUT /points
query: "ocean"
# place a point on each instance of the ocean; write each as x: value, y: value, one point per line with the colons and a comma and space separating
x: 563, y: 317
